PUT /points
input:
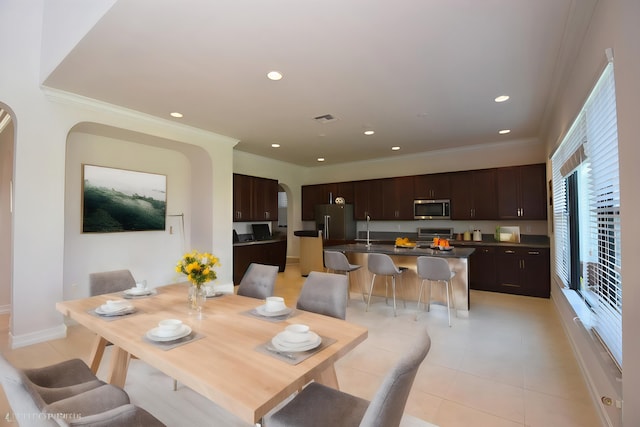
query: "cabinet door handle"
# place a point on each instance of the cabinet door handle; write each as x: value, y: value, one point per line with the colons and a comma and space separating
x: 509, y: 252
x: 534, y: 253
x: 511, y: 285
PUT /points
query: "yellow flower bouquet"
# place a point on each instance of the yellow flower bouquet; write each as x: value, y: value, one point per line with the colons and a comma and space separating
x: 198, y: 267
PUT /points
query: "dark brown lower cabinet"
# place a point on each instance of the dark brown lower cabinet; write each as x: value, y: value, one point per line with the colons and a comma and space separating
x: 482, y: 269
x: 523, y: 271
x: 270, y: 252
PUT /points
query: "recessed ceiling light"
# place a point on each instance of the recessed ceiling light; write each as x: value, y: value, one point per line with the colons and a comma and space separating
x: 504, y: 131
x: 321, y: 159
x: 369, y: 132
x: 274, y: 75
x: 274, y: 145
x: 502, y: 98
x: 176, y: 114
x: 396, y: 148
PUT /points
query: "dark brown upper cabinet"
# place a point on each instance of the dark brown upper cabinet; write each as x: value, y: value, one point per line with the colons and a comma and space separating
x: 522, y: 192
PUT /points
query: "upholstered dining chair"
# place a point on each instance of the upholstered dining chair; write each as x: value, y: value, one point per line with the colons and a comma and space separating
x: 107, y: 282
x: 68, y: 388
x: 323, y: 293
x: 434, y: 269
x: 258, y: 281
x: 62, y: 380
x: 320, y: 406
x: 383, y: 265
x: 337, y: 262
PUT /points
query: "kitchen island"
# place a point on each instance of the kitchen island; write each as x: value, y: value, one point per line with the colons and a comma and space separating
x: 458, y: 259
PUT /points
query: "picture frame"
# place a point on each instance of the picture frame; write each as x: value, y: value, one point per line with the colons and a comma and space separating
x: 119, y: 200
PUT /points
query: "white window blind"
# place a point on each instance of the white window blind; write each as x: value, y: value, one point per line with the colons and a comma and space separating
x: 601, y: 150
x: 594, y: 132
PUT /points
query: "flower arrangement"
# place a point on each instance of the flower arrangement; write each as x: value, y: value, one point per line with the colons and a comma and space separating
x: 198, y: 267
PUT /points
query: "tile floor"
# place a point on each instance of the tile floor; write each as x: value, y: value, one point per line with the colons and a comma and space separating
x: 509, y: 364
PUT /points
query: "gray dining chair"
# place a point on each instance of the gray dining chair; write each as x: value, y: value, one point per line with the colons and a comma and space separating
x: 258, y: 281
x: 68, y: 388
x: 320, y: 406
x: 323, y: 293
x: 337, y: 262
x: 107, y: 282
x: 434, y: 269
x: 383, y: 265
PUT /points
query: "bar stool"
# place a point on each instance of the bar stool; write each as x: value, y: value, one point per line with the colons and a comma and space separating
x: 383, y: 265
x: 434, y: 269
x: 338, y: 263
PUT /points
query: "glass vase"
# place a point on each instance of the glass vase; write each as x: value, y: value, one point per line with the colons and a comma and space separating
x: 196, y: 299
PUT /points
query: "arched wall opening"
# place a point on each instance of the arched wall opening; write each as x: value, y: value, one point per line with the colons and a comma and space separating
x: 7, y: 150
x: 150, y: 255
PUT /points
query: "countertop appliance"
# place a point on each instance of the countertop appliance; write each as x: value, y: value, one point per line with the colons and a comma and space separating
x: 335, y: 221
x: 426, y: 234
x: 432, y: 209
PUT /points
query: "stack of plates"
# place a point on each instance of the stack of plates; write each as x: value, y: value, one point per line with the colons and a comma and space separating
x: 138, y: 292
x: 115, y: 308
x: 290, y: 341
x: 156, y: 334
x: 262, y: 311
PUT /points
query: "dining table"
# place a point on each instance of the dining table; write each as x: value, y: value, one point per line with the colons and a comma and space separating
x: 228, y: 357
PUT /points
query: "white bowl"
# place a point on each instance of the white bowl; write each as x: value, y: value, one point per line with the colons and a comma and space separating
x: 274, y: 304
x: 169, y: 326
x: 296, y: 333
x: 117, y: 304
x: 297, y: 328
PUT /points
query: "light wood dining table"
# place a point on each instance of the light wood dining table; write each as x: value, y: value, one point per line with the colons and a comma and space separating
x: 224, y: 365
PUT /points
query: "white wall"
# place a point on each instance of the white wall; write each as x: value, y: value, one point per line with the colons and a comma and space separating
x: 614, y: 25
x: 43, y: 122
x: 149, y: 255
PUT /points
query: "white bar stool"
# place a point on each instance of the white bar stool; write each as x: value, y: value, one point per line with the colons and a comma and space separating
x: 339, y: 263
x: 435, y: 269
x: 383, y: 265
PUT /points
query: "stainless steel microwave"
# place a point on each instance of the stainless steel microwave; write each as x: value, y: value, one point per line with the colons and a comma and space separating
x: 432, y: 209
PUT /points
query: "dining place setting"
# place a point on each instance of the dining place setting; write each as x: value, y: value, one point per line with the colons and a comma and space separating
x: 171, y: 333
x: 114, y: 309
x: 274, y: 309
x: 295, y: 343
x: 140, y: 290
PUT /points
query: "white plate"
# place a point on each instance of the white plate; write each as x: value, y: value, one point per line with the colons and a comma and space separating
x: 119, y: 312
x: 296, y: 338
x: 183, y: 332
x: 137, y: 292
x: 262, y: 311
x: 280, y: 344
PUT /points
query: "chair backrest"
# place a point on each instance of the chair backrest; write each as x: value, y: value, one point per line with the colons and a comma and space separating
x: 258, y: 281
x: 433, y: 268
x: 324, y: 293
x: 110, y: 281
x: 21, y: 396
x: 336, y: 261
x: 382, y: 264
x: 387, y: 406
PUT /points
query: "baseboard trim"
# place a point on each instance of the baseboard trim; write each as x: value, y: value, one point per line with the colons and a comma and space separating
x: 596, y: 369
x: 57, y: 332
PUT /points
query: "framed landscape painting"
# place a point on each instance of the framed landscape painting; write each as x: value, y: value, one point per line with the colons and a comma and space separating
x: 117, y: 200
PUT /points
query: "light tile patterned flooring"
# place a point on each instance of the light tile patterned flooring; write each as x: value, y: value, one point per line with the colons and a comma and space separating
x: 509, y: 364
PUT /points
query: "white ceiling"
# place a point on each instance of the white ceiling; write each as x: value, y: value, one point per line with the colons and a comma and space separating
x: 422, y: 73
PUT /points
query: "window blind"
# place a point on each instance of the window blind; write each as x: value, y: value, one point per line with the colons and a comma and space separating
x: 595, y: 132
x: 601, y: 150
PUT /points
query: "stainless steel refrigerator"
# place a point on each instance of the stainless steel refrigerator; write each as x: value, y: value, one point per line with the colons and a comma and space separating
x: 335, y: 221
